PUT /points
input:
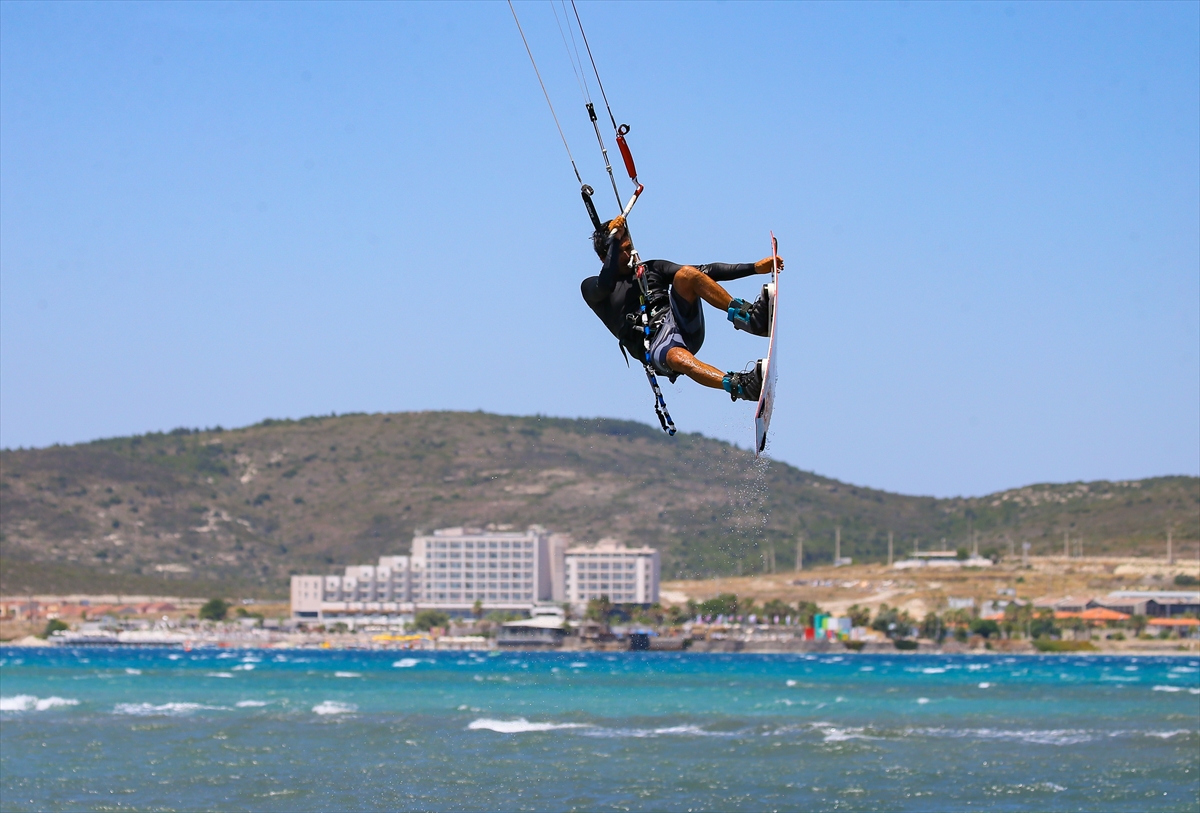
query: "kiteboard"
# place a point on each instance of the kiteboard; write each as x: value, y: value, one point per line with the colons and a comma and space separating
x: 766, y: 398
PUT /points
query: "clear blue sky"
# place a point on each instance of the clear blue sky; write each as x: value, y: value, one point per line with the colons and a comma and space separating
x: 215, y: 213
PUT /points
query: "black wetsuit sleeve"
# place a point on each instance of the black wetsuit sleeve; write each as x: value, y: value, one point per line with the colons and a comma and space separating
x: 612, y: 262
x: 723, y: 272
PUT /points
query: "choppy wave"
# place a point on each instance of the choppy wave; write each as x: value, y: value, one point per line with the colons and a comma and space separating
x: 518, y: 726
x: 131, y: 671
x: 169, y: 709
x: 406, y: 663
x: 250, y: 704
x: 833, y: 733
x: 28, y: 702
x: 347, y: 674
x: 1053, y: 736
x: 219, y: 674
x: 334, y: 707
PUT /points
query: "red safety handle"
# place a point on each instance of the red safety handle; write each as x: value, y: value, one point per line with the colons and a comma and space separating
x: 628, y: 156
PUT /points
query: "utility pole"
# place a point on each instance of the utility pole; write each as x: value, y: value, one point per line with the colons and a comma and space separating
x: 889, y: 548
x: 1066, y: 550
x: 837, y: 544
x: 975, y: 545
x: 800, y: 553
x: 1024, y: 554
x: 1170, y: 552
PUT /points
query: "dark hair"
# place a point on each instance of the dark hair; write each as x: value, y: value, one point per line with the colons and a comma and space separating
x: 600, y: 240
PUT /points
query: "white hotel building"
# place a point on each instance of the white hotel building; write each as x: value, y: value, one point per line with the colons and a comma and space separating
x: 452, y: 568
x: 625, y: 575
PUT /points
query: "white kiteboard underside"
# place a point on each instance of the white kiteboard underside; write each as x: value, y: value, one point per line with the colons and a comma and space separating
x: 766, y: 399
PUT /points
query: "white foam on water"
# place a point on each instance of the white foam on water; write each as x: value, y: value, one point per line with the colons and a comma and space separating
x: 972, y: 667
x: 833, y: 733
x: 219, y: 674
x: 579, y: 665
x: 347, y: 674
x: 28, y: 702
x: 406, y: 663
x: 922, y: 700
x: 1063, y: 736
x: 1182, y: 670
x: 174, y: 657
x: 985, y: 685
x: 1167, y: 689
x: 244, y: 667
x: 250, y: 704
x: 1166, y: 735
x: 933, y: 670
x: 170, y: 709
x: 1119, y: 679
x: 791, y: 683
x: 334, y: 707
x: 518, y: 726
x: 130, y: 671
x: 226, y: 655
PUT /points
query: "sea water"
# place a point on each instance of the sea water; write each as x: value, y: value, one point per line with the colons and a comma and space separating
x: 120, y: 729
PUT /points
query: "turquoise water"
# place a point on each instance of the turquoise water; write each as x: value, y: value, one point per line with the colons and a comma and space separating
x: 108, y: 729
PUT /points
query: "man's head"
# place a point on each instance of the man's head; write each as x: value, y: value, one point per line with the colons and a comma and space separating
x: 601, y: 239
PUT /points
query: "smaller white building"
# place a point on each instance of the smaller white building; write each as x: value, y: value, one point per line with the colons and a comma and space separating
x: 940, y: 558
x: 383, y: 590
x: 625, y: 575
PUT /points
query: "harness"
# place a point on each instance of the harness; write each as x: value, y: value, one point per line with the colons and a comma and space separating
x: 648, y: 322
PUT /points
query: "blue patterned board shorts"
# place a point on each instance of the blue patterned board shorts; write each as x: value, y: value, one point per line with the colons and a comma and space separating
x: 682, y: 326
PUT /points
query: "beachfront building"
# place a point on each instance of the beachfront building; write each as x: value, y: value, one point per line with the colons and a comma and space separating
x: 450, y: 569
x: 503, y: 570
x: 385, y: 589
x: 453, y: 568
x: 625, y: 575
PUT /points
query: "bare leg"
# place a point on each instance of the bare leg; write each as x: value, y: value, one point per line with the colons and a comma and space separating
x: 692, y: 284
x: 681, y: 361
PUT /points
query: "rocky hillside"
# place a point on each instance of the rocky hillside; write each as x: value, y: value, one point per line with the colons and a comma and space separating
x: 238, y: 510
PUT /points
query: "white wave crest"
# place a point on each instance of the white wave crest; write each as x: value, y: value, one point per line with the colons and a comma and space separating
x: 406, y: 663
x: 131, y: 671
x: 933, y: 670
x: 347, y: 674
x: 1061, y: 736
x: 518, y: 726
x: 334, y: 707
x: 1167, y: 689
x: 985, y: 685
x: 250, y: 704
x: 27, y: 702
x: 244, y: 667
x: 832, y: 733
x: 219, y: 674
x: 170, y: 709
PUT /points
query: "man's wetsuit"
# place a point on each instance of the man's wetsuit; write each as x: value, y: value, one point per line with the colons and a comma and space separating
x: 614, y: 299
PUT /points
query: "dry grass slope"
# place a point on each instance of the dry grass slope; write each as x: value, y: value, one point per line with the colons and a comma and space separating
x: 238, y: 510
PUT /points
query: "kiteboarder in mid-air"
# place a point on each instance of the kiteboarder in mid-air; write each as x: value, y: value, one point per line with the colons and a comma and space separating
x: 675, y: 314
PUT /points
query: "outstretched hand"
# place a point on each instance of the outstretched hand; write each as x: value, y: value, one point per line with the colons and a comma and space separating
x: 764, y: 266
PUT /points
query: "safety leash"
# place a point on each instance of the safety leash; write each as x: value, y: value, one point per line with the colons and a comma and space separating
x: 660, y: 403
